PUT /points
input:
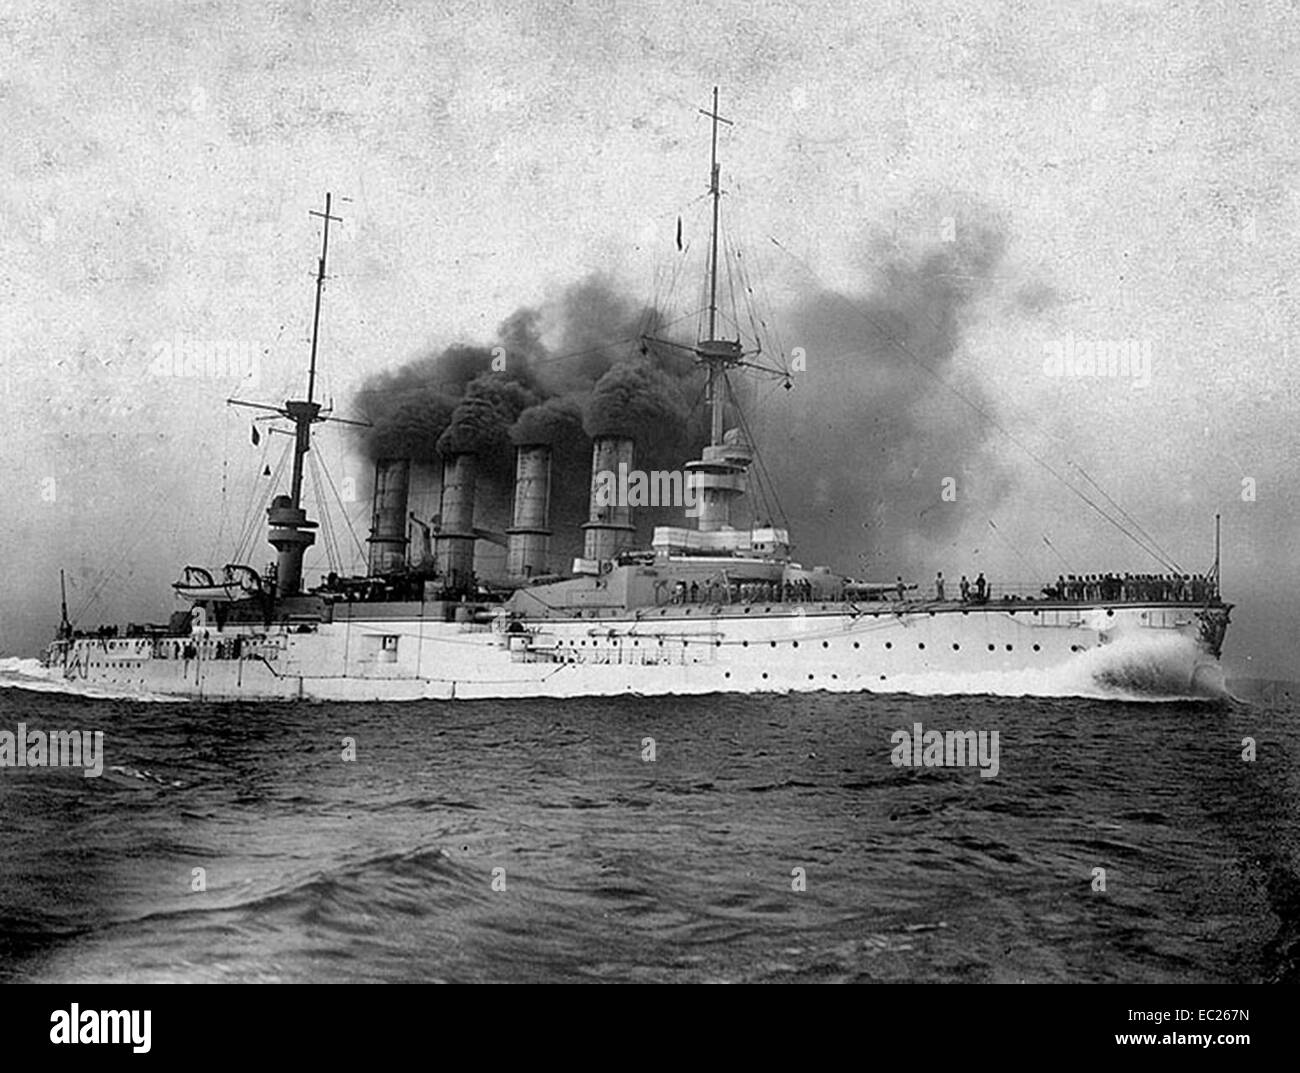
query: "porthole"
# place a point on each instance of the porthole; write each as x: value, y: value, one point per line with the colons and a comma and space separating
x: 795, y: 644
x: 920, y: 644
x: 857, y: 644
x: 826, y: 644
x: 1037, y: 648
x: 1009, y: 648
x: 889, y: 644
x: 992, y: 647
x: 772, y: 643
x: 956, y: 647
x: 765, y: 674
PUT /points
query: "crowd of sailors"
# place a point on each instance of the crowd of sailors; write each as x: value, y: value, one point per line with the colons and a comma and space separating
x: 1129, y: 588
x: 1082, y: 588
x: 1101, y: 588
x: 221, y: 648
x: 792, y: 590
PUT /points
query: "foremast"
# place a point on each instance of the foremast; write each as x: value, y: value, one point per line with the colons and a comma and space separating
x: 290, y: 530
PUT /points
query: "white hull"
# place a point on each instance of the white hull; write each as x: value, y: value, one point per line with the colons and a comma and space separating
x: 1051, y: 651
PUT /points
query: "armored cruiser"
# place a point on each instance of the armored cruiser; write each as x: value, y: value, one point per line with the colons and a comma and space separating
x: 706, y: 607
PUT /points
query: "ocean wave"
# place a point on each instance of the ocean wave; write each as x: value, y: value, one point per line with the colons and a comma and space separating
x: 1140, y: 666
x: 33, y: 676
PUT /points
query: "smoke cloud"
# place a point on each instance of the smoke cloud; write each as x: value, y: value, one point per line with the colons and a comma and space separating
x: 552, y: 376
x: 878, y: 455
x: 872, y: 454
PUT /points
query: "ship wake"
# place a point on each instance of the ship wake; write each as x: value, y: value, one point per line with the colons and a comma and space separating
x: 32, y: 675
x: 1139, y: 666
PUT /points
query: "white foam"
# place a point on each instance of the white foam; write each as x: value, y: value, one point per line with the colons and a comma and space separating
x: 34, y: 676
x: 1141, y: 666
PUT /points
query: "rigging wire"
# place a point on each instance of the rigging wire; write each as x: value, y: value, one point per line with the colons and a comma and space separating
x: 1152, y: 549
x: 253, y: 515
x: 225, y: 475
x: 1069, y: 569
x: 347, y: 519
x: 114, y: 571
x: 1133, y: 521
x: 764, y: 484
x: 249, y: 508
x: 328, y: 543
x: 1034, y: 570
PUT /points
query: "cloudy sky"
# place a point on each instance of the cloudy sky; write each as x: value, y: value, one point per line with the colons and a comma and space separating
x: 1136, y: 160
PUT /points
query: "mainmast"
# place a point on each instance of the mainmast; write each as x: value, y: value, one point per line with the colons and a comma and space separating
x: 719, y: 476
x: 716, y: 353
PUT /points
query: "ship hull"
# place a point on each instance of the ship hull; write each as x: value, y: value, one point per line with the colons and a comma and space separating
x: 1125, y: 650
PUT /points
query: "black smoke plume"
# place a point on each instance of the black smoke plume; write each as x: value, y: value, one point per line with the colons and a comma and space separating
x: 876, y: 424
x: 549, y: 374
x: 858, y: 452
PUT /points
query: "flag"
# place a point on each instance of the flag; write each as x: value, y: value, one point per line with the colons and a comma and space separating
x: 679, y: 233
x: 257, y: 436
x: 266, y: 472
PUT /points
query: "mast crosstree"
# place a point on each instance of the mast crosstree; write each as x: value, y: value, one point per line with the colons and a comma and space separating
x: 716, y: 354
x: 290, y: 530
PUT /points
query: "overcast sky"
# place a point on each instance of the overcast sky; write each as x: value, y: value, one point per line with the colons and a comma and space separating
x: 160, y: 160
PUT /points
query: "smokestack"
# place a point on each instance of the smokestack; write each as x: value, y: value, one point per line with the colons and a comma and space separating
x: 610, y: 527
x: 454, y: 547
x: 388, y: 519
x: 530, y: 539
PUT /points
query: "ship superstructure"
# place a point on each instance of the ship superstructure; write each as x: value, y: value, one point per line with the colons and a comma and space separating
x: 708, y: 606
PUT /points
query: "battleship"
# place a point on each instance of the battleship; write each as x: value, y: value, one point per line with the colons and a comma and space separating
x: 707, y: 606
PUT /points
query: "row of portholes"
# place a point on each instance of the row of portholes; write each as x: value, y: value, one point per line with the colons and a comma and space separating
x: 750, y: 607
x: 992, y: 648
x: 767, y: 610
x: 956, y: 647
